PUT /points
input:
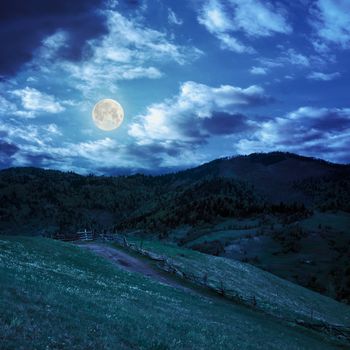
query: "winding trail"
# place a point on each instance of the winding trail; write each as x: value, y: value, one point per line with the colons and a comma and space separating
x: 132, y: 264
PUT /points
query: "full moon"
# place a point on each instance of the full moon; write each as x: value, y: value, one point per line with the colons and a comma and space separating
x: 108, y: 114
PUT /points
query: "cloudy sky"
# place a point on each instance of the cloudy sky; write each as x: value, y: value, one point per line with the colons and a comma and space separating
x: 198, y: 80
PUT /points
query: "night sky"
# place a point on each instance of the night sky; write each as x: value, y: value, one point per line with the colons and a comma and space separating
x: 198, y: 80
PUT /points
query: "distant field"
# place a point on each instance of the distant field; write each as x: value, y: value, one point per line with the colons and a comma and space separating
x: 313, y: 252
x: 58, y: 296
x: 338, y: 221
x: 223, y: 235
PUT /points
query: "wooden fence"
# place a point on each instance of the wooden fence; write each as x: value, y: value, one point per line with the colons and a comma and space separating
x: 86, y: 236
x: 78, y: 236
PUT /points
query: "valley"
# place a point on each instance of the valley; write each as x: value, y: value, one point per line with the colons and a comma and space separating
x: 281, y: 212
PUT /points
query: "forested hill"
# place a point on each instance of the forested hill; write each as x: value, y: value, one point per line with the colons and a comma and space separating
x: 277, y: 175
x: 37, y: 201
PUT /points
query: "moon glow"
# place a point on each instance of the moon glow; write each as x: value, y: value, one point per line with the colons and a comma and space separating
x: 107, y: 114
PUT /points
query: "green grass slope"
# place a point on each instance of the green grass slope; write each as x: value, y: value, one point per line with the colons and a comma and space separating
x: 251, y: 285
x: 59, y: 296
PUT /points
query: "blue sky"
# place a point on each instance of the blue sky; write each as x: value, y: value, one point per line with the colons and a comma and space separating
x: 198, y: 80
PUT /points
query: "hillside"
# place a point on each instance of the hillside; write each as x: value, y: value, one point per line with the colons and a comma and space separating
x: 247, y: 285
x: 45, y: 200
x: 56, y: 295
x: 285, y: 213
x: 274, y: 174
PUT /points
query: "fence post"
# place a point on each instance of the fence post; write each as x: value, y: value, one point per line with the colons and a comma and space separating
x: 222, y: 288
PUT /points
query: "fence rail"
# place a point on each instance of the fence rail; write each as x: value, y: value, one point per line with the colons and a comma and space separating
x: 86, y: 236
x: 78, y: 236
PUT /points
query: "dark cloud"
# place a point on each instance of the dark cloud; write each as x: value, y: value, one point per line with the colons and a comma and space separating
x: 258, y: 100
x: 307, y: 124
x: 199, y: 130
x: 10, y: 10
x: 24, y: 24
x: 191, y: 128
x: 9, y: 152
x: 311, y: 131
x: 152, y: 155
x: 147, y: 159
x: 194, y: 132
x: 133, y: 2
x: 332, y: 120
x: 302, y: 137
x: 7, y: 149
x: 38, y: 160
x: 225, y: 124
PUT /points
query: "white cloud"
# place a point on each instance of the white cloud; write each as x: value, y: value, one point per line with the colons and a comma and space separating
x: 103, y: 152
x: 145, y: 43
x: 52, y: 129
x: 173, y: 19
x: 128, y: 51
x: 25, y: 114
x: 230, y: 43
x: 295, y: 58
x: 286, y: 58
x: 39, y: 142
x: 38, y: 145
x: 323, y: 76
x: 270, y: 62
x: 253, y: 18
x: 52, y: 43
x: 83, y: 157
x: 258, y: 70
x: 259, y: 18
x: 139, y: 72
x: 99, y: 151
x: 320, y: 46
x: 320, y: 132
x: 7, y: 107
x: 331, y: 22
x: 111, y: 4
x: 38, y: 135
x: 36, y: 101
x: 176, y: 119
x: 215, y: 19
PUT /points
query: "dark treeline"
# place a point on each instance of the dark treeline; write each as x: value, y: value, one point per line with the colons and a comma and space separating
x: 328, y: 192
x: 46, y: 201
x: 52, y: 201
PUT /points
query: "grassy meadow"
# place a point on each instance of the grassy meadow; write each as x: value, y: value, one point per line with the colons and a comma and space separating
x: 59, y: 296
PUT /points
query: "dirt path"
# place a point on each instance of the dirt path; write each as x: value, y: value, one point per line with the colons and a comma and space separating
x: 132, y: 264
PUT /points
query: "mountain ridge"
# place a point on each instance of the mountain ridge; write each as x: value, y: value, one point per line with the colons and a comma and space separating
x: 255, y: 156
x: 263, y: 179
